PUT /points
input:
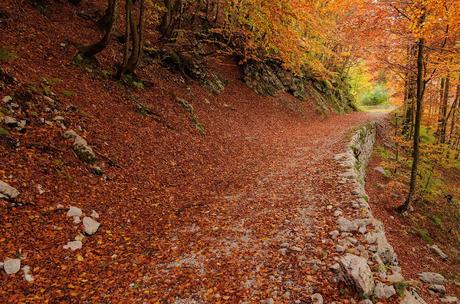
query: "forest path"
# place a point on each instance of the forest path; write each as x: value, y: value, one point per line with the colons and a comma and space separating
x: 267, y: 240
x: 238, y: 216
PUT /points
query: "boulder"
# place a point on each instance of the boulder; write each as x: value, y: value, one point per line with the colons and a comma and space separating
x: 412, y: 297
x: 345, y: 225
x: 440, y: 290
x: 431, y: 278
x: 8, y: 192
x: 383, y: 291
x: 356, y: 273
x: 439, y: 252
x: 83, y: 150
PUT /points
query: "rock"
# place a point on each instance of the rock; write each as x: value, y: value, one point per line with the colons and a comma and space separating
x: 7, y: 99
x: 8, y: 192
x: 439, y: 252
x: 27, y: 275
x: 295, y: 248
x: 438, y: 289
x: 346, y: 225
x: 317, y: 299
x: 94, y: 214
x: 83, y: 150
x: 431, y: 278
x: 356, y: 273
x: 90, y: 225
x: 338, y: 213
x: 450, y: 299
x: 335, y: 268
x: 11, y: 266
x: 73, y: 245
x: 385, y: 250
x: 367, y: 301
x: 79, y: 237
x: 267, y: 301
x: 59, y: 119
x: 10, y: 122
x: 395, y: 278
x: 74, y: 211
x: 412, y: 297
x: 70, y: 134
x: 334, y: 234
x: 339, y: 249
x: 97, y: 170
x: 380, y: 170
x: 76, y: 220
x: 383, y: 291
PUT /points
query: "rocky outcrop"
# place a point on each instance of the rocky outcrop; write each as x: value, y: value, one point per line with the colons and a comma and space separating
x: 191, y: 64
x: 268, y: 78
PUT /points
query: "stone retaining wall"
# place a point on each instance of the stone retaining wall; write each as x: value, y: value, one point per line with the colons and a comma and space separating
x: 372, y: 266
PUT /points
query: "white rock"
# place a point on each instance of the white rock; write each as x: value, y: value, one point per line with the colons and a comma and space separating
x: 346, y: 225
x: 317, y: 299
x: 357, y: 273
x: 431, y: 278
x: 383, y: 291
x: 79, y: 237
x: 439, y: 252
x: 367, y: 301
x: 27, y: 275
x: 76, y: 220
x: 90, y: 225
x: 380, y: 170
x: 395, y: 278
x: 450, y: 299
x: 12, y: 266
x: 74, y: 211
x: 7, y: 99
x: 73, y: 245
x: 438, y: 289
x: 94, y: 214
x: 40, y: 189
x: 412, y: 297
x: 8, y: 192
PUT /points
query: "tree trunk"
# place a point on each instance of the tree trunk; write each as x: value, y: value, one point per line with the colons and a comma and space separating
x: 90, y: 51
x: 454, y: 110
x: 137, y: 28
x: 128, y: 14
x: 418, y: 119
x: 445, y: 101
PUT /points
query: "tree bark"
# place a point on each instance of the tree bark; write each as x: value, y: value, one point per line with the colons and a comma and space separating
x: 418, y: 119
x: 90, y: 51
x: 128, y: 14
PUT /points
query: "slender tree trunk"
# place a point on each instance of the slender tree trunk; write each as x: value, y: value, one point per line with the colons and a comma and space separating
x: 128, y: 14
x: 137, y: 28
x: 445, y: 101
x: 418, y: 119
x: 91, y: 50
x: 454, y: 110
